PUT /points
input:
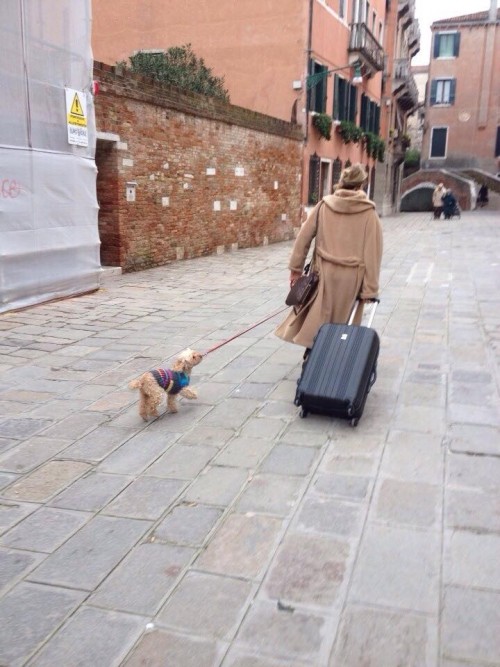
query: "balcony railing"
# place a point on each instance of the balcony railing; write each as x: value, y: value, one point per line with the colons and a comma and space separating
x: 414, y: 36
x: 401, y: 69
x: 403, y: 84
x: 363, y: 41
x: 406, y: 6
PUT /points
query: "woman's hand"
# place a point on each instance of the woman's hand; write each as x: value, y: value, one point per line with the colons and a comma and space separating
x: 294, y: 276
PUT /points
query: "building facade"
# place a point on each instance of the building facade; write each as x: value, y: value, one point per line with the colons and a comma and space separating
x: 399, y: 98
x: 318, y: 63
x: 462, y: 116
x: 417, y: 120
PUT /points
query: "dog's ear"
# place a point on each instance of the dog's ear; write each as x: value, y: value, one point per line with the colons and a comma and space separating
x: 179, y: 365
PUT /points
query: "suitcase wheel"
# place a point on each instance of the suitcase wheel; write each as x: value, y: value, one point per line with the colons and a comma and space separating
x: 354, y: 421
x: 303, y: 413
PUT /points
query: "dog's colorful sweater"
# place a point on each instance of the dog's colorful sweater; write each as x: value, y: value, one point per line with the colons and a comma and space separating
x: 171, y: 381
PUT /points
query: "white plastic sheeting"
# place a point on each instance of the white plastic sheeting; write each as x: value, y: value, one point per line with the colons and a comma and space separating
x: 49, y: 239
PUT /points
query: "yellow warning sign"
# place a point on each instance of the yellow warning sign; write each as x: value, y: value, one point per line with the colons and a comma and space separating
x: 76, y: 114
x: 76, y: 107
x: 76, y: 117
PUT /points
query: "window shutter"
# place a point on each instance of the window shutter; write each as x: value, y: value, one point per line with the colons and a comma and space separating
x: 337, y: 171
x: 310, y: 91
x: 342, y: 99
x: 373, y: 117
x: 377, y: 119
x: 352, y: 102
x: 456, y: 44
x: 437, y: 38
x: 434, y: 84
x: 314, y: 162
x: 322, y: 98
x: 336, y: 96
x: 362, y: 120
x: 453, y: 88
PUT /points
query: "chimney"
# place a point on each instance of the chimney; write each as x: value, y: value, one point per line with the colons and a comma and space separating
x: 493, y: 12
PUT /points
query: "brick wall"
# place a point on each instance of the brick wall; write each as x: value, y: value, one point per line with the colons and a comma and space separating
x: 206, y: 175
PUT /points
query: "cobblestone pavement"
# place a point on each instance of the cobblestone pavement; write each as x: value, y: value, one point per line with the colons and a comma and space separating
x: 235, y: 533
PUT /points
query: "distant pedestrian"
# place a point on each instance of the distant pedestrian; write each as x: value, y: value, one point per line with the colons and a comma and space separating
x: 437, y: 200
x: 449, y: 205
x: 482, y: 198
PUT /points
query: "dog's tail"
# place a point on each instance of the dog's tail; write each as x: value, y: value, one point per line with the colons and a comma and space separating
x: 135, y: 384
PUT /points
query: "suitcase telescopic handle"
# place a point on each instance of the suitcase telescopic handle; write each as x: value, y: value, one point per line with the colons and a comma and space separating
x: 372, y: 311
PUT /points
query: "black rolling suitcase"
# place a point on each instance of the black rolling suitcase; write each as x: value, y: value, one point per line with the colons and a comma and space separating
x: 340, y: 370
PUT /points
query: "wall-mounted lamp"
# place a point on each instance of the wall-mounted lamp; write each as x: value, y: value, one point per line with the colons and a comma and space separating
x: 356, y: 80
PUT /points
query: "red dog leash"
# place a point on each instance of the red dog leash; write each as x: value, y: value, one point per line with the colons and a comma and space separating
x: 240, y: 333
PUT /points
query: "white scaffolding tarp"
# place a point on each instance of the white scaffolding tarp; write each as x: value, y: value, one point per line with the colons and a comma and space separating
x: 49, y: 239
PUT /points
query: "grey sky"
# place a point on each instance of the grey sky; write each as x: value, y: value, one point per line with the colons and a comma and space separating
x: 428, y: 11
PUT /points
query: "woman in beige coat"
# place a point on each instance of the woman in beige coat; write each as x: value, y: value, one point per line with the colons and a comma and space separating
x: 437, y: 200
x: 347, y: 257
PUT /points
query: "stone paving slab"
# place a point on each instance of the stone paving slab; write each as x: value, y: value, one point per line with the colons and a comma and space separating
x: 187, y: 524
x: 108, y: 539
x: 46, y: 481
x: 91, y: 637
x: 28, y: 614
x: 207, y: 605
x: 143, y: 579
x: 381, y: 638
x: 234, y: 533
x: 45, y: 529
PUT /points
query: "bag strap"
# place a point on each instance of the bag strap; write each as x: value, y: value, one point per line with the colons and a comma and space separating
x: 313, y: 258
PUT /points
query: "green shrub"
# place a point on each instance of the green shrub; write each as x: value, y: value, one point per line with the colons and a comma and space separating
x: 374, y: 145
x: 179, y: 66
x: 350, y: 132
x: 412, y: 158
x: 323, y: 123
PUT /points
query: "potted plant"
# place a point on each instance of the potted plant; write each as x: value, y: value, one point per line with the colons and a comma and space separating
x: 323, y: 123
x: 405, y: 141
x: 374, y: 146
x: 349, y: 131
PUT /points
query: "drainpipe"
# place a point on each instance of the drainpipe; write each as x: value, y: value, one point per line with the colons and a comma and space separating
x: 308, y: 60
x: 489, y: 56
x: 493, y: 12
x: 304, y: 186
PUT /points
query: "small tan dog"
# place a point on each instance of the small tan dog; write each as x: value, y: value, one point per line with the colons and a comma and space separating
x: 154, y: 384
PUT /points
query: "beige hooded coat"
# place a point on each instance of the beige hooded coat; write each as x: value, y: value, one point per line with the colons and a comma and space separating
x: 347, y: 257
x: 437, y: 196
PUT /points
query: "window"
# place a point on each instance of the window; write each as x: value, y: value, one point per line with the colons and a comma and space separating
x: 497, y: 144
x: 446, y: 44
x: 342, y: 8
x: 316, y: 95
x: 370, y: 115
x: 344, y: 99
x: 443, y: 91
x: 438, y: 142
x: 324, y: 179
x: 359, y: 9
